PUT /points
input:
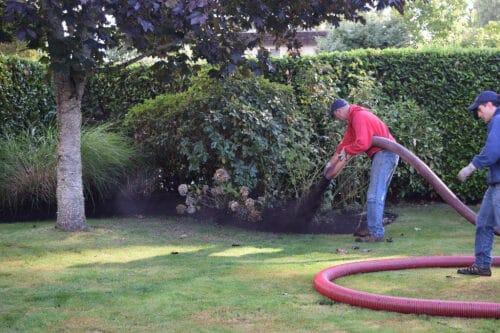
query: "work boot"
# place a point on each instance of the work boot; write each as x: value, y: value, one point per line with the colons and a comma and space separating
x: 474, y: 270
x: 369, y: 239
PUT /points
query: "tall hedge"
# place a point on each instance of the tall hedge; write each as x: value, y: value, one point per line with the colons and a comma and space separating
x: 442, y: 81
x: 26, y: 98
x: 110, y: 93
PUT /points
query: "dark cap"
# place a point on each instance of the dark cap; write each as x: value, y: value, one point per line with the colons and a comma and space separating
x: 337, y: 104
x: 483, y: 97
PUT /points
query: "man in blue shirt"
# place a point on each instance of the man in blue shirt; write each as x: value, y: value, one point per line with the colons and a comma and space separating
x: 485, y: 106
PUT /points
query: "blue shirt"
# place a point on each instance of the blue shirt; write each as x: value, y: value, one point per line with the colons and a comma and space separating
x: 490, y: 154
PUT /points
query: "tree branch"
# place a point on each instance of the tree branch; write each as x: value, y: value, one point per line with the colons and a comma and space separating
x: 140, y: 57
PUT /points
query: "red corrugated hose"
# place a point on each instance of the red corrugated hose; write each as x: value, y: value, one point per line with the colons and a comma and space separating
x: 323, y: 281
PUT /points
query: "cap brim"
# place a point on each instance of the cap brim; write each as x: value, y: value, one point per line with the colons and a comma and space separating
x: 332, y: 114
x: 474, y: 114
x: 473, y: 107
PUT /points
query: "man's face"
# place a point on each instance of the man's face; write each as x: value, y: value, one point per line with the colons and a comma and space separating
x: 486, y: 111
x: 342, y: 113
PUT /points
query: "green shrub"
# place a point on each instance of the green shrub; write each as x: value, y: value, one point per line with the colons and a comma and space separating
x: 378, y: 32
x: 442, y: 82
x: 414, y: 128
x: 110, y: 93
x: 247, y: 125
x: 28, y: 166
x: 316, y: 88
x: 26, y: 98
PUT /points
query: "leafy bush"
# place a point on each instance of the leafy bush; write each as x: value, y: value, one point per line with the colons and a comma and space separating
x: 247, y: 125
x: 415, y: 129
x: 316, y: 88
x: 26, y: 99
x: 28, y: 167
x: 486, y: 36
x: 442, y: 82
x: 110, y: 93
x: 378, y: 32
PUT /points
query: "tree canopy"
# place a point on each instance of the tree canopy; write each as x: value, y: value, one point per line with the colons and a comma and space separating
x: 377, y: 32
x: 76, y: 33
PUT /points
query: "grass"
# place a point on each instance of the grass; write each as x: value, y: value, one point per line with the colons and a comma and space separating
x: 123, y: 275
x: 28, y: 166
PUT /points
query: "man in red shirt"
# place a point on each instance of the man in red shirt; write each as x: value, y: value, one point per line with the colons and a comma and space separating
x: 362, y: 125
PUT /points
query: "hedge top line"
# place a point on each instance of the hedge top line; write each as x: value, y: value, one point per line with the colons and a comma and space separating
x: 394, y: 52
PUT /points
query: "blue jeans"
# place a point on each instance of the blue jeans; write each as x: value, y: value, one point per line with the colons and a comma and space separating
x: 487, y: 219
x: 383, y: 165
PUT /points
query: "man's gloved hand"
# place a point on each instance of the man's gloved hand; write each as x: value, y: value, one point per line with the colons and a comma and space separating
x: 327, y: 168
x: 466, y: 172
x: 342, y: 155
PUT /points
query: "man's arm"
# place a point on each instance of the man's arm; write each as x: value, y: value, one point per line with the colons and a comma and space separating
x: 336, y: 164
x: 490, y: 153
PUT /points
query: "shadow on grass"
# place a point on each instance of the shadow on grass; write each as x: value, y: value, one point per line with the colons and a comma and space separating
x: 210, y: 255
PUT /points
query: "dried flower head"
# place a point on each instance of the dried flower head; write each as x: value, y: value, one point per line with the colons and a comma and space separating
x: 182, y: 189
x: 250, y: 204
x: 245, y: 192
x: 217, y: 190
x: 190, y: 200
x: 254, y: 215
x: 221, y: 175
x: 205, y: 189
x: 234, y: 205
x: 181, y: 209
x: 191, y: 209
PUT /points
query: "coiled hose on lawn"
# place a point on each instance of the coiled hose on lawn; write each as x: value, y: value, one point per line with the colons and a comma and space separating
x: 323, y: 280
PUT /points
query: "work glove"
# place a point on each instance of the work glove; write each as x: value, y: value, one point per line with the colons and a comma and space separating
x: 342, y: 155
x: 327, y: 168
x: 466, y: 172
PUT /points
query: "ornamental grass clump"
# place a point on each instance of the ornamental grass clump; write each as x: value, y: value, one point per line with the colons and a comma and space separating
x: 28, y: 167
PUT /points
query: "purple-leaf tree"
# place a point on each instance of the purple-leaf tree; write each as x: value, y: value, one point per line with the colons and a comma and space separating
x: 75, y: 35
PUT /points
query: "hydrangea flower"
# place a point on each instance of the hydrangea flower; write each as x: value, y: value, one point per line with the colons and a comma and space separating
x: 183, y: 189
x: 221, y: 175
x: 234, y: 205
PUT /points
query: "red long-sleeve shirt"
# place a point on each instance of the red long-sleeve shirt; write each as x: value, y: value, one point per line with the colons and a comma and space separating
x: 362, y: 125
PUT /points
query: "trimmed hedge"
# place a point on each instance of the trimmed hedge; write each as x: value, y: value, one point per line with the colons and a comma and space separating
x: 443, y: 82
x: 110, y: 93
x: 26, y: 97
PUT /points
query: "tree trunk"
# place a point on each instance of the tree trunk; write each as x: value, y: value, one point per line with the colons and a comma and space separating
x: 70, y: 200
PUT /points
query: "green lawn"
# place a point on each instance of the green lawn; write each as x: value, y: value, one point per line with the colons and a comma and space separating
x: 123, y: 275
